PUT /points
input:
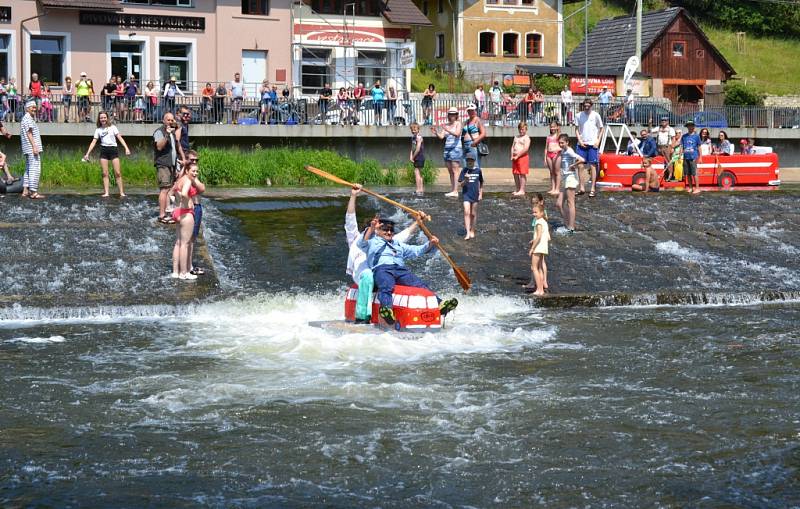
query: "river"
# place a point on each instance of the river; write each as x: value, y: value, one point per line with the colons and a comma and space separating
x: 123, y: 388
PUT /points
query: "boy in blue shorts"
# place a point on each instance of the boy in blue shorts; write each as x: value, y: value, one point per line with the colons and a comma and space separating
x: 471, y: 180
x: 690, y: 144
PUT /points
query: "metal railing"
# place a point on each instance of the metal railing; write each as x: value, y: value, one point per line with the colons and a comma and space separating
x: 310, y: 110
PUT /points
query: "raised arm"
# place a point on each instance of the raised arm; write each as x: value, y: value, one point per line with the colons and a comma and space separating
x: 350, y: 220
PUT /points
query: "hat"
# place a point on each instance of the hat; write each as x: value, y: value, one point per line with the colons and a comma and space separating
x: 470, y: 156
x: 386, y: 224
x: 689, y: 122
x: 471, y: 107
x: 744, y: 141
x: 665, y: 118
x: 29, y: 103
x: 452, y: 111
x: 83, y: 74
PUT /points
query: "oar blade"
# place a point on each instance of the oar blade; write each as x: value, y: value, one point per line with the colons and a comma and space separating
x: 462, y: 277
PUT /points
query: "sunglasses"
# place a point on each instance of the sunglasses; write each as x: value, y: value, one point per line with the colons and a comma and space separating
x: 187, y: 114
x: 194, y: 160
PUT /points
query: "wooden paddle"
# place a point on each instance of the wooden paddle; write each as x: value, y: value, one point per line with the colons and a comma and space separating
x: 461, y: 276
x: 334, y: 178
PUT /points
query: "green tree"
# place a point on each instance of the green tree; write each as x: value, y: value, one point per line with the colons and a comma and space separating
x: 739, y: 94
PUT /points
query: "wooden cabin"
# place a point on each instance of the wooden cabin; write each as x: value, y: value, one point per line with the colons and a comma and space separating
x: 685, y: 67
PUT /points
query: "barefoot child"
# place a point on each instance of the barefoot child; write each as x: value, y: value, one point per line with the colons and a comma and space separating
x: 417, y: 155
x: 651, y: 181
x: 538, y: 200
x: 520, y: 165
x: 552, y: 157
x: 539, y: 248
x: 570, y: 181
x: 471, y: 180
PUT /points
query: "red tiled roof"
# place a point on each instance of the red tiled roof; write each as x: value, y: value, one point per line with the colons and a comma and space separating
x: 404, y: 12
x: 103, y: 5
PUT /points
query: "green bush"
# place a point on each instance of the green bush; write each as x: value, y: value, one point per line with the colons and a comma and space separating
x: 232, y: 167
x: 739, y: 94
x: 551, y: 85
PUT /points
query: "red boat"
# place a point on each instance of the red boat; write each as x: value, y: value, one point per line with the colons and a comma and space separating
x: 415, y: 309
x: 739, y: 171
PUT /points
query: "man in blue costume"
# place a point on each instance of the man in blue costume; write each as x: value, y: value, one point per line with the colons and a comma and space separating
x: 387, y: 258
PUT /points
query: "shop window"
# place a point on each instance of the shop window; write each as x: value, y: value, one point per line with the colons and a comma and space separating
x: 174, y: 60
x: 510, y: 44
x: 5, y: 48
x: 47, y: 59
x: 679, y: 49
x: 170, y: 3
x: 371, y: 67
x: 486, y: 44
x: 315, y: 70
x: 256, y: 7
x: 439, y: 46
x: 533, y: 45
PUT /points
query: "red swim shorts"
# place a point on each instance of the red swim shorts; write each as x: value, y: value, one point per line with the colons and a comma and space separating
x: 520, y: 166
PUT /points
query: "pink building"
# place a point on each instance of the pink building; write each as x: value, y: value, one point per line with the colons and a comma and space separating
x: 343, y: 43
x: 195, y: 40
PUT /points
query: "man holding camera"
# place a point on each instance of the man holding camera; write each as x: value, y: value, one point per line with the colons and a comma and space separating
x: 166, y: 150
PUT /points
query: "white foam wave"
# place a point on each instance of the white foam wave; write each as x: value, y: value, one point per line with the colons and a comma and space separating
x: 277, y: 354
x: 37, y: 340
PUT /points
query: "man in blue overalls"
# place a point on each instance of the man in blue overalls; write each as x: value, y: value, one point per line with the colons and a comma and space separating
x: 387, y: 258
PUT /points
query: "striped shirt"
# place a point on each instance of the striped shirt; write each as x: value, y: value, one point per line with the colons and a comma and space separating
x: 29, y: 124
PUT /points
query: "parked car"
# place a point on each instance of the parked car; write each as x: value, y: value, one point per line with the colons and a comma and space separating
x: 708, y: 119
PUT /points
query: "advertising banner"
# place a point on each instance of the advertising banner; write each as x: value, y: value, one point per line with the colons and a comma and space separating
x: 596, y: 84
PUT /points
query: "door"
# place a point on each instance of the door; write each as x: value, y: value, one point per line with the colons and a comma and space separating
x: 126, y: 59
x: 254, y: 70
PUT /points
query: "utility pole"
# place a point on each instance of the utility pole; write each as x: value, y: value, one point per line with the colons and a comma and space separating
x: 639, y: 34
x: 586, y: 49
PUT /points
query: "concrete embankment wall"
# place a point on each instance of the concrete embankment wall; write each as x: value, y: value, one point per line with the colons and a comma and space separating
x: 384, y: 144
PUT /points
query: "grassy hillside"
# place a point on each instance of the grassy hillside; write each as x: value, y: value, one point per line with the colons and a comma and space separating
x: 769, y: 63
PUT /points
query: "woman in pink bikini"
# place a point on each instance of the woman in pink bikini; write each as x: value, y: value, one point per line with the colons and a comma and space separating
x: 183, y: 214
x: 552, y: 158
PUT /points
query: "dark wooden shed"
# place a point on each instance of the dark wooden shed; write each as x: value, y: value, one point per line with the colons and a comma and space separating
x: 675, y: 52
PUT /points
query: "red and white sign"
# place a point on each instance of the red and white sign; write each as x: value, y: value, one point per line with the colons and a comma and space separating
x: 577, y: 85
x: 325, y: 33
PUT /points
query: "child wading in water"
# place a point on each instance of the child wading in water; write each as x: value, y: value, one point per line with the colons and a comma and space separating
x: 471, y: 180
x: 520, y: 165
x: 570, y: 181
x: 417, y: 156
x: 537, y: 200
x: 539, y: 248
x: 552, y: 157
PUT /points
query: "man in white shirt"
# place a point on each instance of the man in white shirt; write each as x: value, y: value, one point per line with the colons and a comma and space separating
x: 589, y: 131
x: 171, y: 90
x: 496, y: 96
x: 238, y: 93
x: 664, y: 135
x: 357, y: 265
x: 566, y: 105
x: 630, y: 99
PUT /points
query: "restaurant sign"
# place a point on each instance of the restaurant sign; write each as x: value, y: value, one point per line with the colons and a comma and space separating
x: 5, y: 14
x: 144, y: 21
